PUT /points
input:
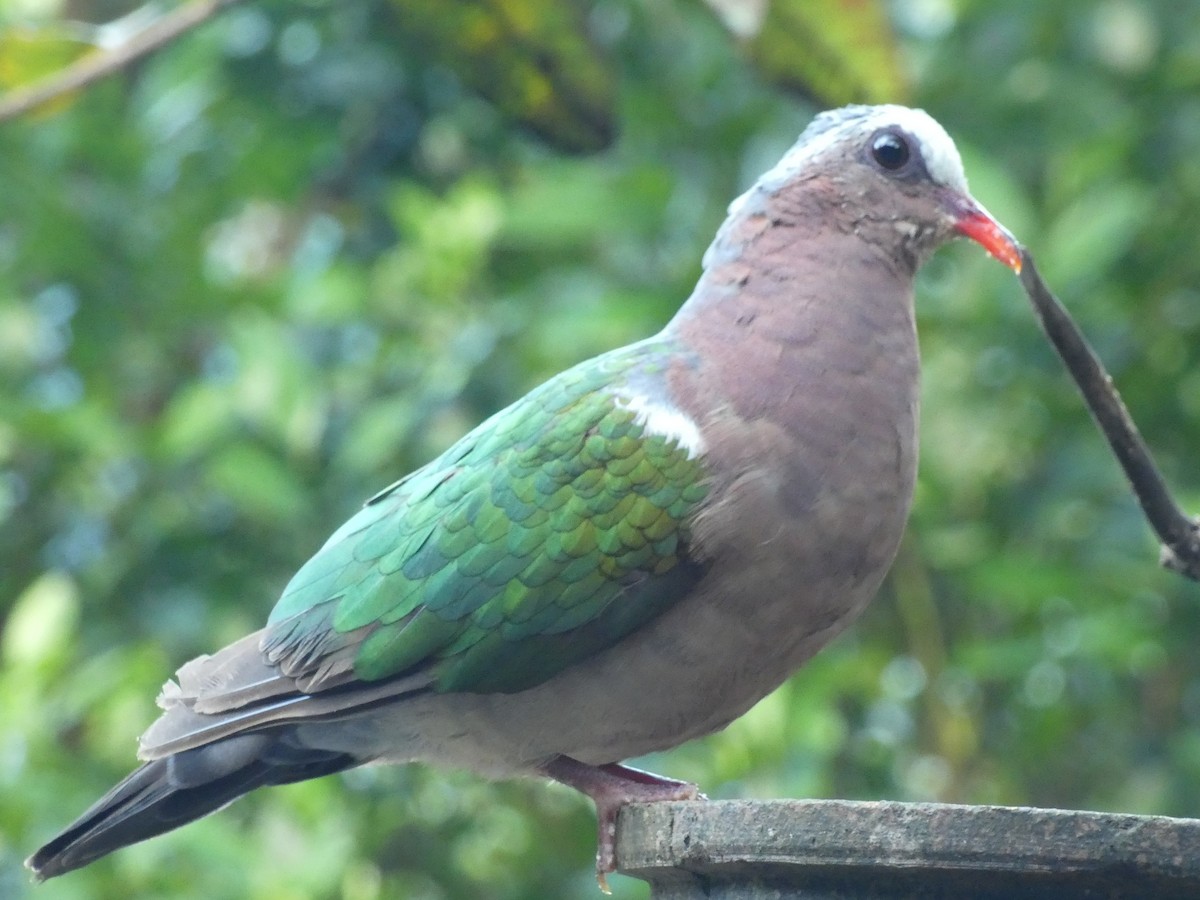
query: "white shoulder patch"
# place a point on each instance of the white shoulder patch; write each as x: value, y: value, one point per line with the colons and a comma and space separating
x: 664, y: 420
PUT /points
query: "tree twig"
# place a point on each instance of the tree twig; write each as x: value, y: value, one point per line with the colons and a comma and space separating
x: 1179, y: 533
x: 95, y: 66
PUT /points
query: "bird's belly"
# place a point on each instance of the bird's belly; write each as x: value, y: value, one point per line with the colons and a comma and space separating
x: 698, y: 668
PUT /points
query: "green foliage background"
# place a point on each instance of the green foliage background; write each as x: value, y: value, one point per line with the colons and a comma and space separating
x: 296, y: 254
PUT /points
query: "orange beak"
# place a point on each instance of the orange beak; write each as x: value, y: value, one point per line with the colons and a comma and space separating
x: 973, y: 221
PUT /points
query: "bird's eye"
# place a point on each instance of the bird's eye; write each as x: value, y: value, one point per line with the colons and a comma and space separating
x: 890, y: 150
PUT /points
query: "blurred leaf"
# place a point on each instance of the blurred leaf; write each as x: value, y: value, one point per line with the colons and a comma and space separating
x: 196, y: 417
x: 835, y: 51
x: 42, y: 621
x: 532, y: 58
x: 264, y: 487
x: 1094, y: 232
x: 28, y: 54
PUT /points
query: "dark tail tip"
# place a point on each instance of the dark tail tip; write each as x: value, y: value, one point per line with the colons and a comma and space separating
x: 130, y: 812
x: 164, y: 794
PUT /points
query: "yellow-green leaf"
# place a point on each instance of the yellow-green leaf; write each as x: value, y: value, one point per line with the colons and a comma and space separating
x: 835, y: 51
x: 30, y: 54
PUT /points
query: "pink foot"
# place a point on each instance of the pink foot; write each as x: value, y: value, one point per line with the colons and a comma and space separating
x: 611, y: 787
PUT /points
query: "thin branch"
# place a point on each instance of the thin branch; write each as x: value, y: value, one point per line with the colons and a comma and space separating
x: 95, y: 66
x: 1178, y: 532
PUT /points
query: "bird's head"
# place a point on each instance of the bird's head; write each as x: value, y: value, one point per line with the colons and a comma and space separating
x: 894, y: 175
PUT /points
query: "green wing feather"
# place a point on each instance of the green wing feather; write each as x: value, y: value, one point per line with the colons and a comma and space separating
x: 544, y: 536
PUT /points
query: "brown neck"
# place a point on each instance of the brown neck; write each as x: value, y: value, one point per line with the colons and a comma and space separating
x: 768, y: 317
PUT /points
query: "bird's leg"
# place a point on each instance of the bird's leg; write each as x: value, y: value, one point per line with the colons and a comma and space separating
x: 611, y: 787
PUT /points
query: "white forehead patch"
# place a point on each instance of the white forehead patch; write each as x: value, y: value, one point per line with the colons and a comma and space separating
x: 849, y: 126
x: 941, y: 156
x: 664, y: 420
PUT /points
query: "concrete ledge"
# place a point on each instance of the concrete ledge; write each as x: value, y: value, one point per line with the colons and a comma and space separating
x: 844, y: 850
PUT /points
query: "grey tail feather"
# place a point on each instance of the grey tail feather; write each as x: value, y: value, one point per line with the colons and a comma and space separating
x: 166, y: 793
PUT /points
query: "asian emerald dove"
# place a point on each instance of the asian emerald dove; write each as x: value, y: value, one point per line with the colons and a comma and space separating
x: 629, y: 556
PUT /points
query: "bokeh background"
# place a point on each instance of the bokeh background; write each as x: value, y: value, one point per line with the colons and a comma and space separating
x: 258, y: 275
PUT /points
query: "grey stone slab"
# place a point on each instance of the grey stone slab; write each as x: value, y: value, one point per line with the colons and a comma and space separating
x: 848, y: 850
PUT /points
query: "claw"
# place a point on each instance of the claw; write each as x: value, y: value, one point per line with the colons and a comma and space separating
x: 611, y: 788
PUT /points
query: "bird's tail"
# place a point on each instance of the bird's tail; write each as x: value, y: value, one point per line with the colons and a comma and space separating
x: 166, y: 793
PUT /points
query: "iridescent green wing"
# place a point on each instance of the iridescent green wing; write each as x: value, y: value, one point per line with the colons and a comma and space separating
x: 543, y: 537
